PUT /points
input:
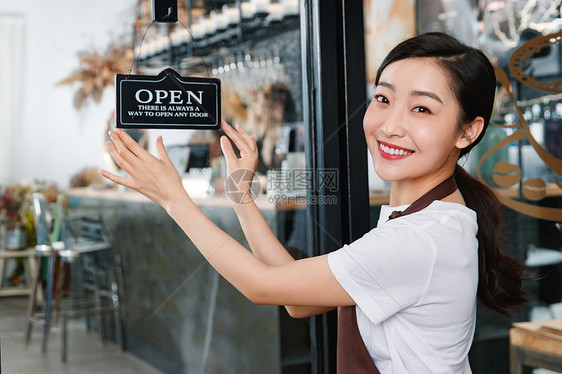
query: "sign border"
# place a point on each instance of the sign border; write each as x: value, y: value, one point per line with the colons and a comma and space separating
x: 120, y: 78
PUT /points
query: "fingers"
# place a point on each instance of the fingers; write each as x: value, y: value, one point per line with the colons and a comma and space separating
x: 131, y: 143
x: 114, y: 178
x: 233, y: 135
x: 121, y: 151
x: 250, y: 141
x: 236, y: 137
x: 125, y: 165
x: 227, y: 149
x: 162, y: 151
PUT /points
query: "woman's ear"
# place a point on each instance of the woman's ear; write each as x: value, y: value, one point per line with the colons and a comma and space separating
x: 471, y: 133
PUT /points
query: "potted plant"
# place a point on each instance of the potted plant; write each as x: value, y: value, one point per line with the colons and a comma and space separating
x: 14, y: 203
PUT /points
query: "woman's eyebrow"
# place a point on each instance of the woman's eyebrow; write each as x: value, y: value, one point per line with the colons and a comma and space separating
x: 384, y: 84
x: 426, y: 93
x: 429, y: 94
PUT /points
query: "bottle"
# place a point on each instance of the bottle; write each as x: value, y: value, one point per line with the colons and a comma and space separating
x: 232, y: 15
x: 275, y: 18
x: 261, y: 8
x: 250, y: 22
x: 291, y: 10
x: 198, y: 35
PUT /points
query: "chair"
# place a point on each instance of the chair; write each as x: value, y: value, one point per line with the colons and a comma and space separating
x: 43, y: 226
x: 95, y: 274
x: 94, y: 277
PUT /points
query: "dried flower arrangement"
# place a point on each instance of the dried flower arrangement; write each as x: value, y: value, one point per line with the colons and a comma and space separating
x: 86, y: 177
x: 97, y: 72
x: 15, y: 204
x: 13, y: 201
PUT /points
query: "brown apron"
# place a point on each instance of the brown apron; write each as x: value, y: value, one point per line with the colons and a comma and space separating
x: 352, y: 354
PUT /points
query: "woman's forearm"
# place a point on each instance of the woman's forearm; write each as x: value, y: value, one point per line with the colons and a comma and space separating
x: 263, y: 242
x: 265, y: 246
x: 261, y: 283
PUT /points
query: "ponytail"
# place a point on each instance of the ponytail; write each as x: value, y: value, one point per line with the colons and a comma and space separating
x: 499, y: 275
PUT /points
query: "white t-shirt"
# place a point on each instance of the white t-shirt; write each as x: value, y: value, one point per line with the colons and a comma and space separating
x: 414, y: 280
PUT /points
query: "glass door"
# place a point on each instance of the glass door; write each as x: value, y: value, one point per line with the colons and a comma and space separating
x: 255, y: 49
x: 293, y: 75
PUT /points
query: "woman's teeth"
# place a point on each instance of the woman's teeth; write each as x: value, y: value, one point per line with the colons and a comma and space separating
x: 393, y: 151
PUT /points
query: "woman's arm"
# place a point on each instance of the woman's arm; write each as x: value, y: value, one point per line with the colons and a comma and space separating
x: 269, y: 250
x: 263, y: 242
x: 295, y: 283
x: 307, y: 282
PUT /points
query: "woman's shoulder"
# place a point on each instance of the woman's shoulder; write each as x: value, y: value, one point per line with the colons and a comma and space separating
x: 451, y: 208
x: 438, y: 213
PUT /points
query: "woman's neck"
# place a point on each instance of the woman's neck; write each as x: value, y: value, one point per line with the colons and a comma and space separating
x: 407, y: 191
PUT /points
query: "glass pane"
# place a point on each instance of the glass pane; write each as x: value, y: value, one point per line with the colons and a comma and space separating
x: 190, y: 318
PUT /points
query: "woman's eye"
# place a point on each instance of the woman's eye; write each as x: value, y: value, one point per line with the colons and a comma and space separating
x: 381, y: 99
x: 421, y: 109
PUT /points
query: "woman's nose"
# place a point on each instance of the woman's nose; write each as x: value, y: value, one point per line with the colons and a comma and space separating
x: 393, y: 124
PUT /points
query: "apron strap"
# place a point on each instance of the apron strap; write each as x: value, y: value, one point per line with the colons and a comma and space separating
x: 352, y: 354
x: 442, y: 190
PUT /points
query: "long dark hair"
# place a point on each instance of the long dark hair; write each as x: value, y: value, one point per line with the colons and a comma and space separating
x: 473, y: 84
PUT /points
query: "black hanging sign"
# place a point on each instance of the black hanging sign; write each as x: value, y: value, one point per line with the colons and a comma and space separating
x: 167, y: 101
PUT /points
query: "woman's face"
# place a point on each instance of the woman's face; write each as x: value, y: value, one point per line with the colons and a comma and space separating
x: 411, y: 124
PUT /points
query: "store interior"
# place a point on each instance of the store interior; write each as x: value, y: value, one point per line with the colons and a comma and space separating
x: 139, y: 297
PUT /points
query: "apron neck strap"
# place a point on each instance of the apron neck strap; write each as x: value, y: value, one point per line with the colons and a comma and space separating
x: 443, y: 189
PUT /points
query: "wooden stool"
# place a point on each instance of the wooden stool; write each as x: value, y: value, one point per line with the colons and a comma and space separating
x: 28, y: 266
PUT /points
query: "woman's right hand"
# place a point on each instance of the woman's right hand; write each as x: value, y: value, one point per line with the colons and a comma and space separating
x: 245, y: 143
x: 156, y: 178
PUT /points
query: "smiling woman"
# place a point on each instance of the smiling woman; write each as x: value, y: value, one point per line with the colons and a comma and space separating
x: 459, y: 84
x: 407, y: 289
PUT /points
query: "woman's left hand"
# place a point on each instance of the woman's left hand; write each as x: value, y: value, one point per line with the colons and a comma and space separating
x: 156, y: 178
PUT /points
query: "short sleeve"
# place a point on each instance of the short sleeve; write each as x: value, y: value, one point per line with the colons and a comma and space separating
x: 387, y: 270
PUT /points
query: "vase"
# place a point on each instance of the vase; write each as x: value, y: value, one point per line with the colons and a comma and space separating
x: 15, y: 238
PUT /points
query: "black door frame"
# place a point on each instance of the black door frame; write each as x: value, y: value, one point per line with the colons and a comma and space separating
x: 334, y: 85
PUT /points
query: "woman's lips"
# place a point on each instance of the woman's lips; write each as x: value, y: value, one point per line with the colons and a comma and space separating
x: 393, y: 152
